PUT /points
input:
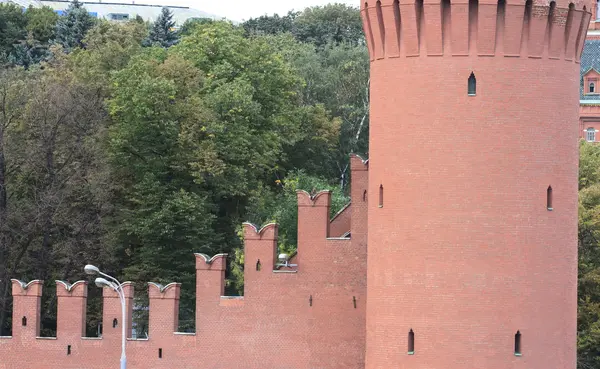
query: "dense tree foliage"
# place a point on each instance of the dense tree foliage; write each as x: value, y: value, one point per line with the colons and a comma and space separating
x: 271, y: 24
x: 25, y: 35
x: 53, y: 178
x: 320, y: 25
x: 13, y: 23
x: 72, y: 27
x: 589, y: 257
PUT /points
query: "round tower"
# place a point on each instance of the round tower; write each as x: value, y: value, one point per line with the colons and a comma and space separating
x: 473, y: 164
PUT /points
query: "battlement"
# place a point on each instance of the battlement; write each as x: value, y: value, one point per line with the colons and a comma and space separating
x: 312, y: 311
x: 535, y: 29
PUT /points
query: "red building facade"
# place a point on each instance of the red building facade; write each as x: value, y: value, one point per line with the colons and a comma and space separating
x: 589, y: 111
x: 472, y: 258
x: 589, y: 89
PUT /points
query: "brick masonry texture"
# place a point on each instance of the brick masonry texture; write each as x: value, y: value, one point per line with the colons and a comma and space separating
x: 462, y: 250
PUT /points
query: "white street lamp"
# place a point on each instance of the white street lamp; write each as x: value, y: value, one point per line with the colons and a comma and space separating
x: 118, y: 288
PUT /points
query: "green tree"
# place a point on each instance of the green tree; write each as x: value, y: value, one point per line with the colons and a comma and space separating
x: 41, y: 23
x: 32, y: 47
x: 271, y: 25
x: 13, y: 24
x: 191, y: 23
x: 253, y: 93
x: 589, y: 257
x: 72, y: 27
x: 13, y: 99
x: 109, y: 47
x: 163, y: 32
x: 336, y: 77
x: 318, y: 25
x: 200, y: 128
x: 163, y: 215
x: 54, y: 181
x: 332, y: 23
x: 28, y: 52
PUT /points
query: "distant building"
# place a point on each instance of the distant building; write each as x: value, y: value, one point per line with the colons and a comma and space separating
x: 589, y: 97
x: 122, y: 11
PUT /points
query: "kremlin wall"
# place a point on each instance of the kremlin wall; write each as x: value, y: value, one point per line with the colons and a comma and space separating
x: 311, y: 315
x: 468, y: 205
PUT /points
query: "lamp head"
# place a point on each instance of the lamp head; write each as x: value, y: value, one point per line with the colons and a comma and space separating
x: 283, y: 258
x: 91, y: 270
x: 101, y: 282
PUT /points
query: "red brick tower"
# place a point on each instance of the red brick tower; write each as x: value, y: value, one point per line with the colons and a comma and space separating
x: 473, y: 183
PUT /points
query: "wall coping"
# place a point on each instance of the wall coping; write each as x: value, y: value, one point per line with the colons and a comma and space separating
x: 341, y: 211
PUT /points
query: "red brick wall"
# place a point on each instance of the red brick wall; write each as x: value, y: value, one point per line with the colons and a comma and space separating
x: 464, y: 251
x: 272, y: 326
x: 340, y: 224
x: 589, y: 117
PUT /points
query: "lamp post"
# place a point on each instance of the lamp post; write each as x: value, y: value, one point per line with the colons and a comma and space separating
x: 117, y: 287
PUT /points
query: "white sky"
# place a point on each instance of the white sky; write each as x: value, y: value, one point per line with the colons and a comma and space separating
x: 240, y: 10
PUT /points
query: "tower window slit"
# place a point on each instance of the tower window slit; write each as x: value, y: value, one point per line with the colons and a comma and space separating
x: 258, y: 265
x: 549, y: 198
x: 380, y: 196
x: 472, y: 85
x: 411, y: 342
x: 518, y: 343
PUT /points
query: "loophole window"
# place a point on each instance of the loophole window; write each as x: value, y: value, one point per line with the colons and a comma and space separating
x: 472, y: 85
x: 411, y: 342
x: 518, y: 343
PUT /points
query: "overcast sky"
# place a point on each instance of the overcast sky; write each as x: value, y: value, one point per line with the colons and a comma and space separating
x: 244, y: 9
